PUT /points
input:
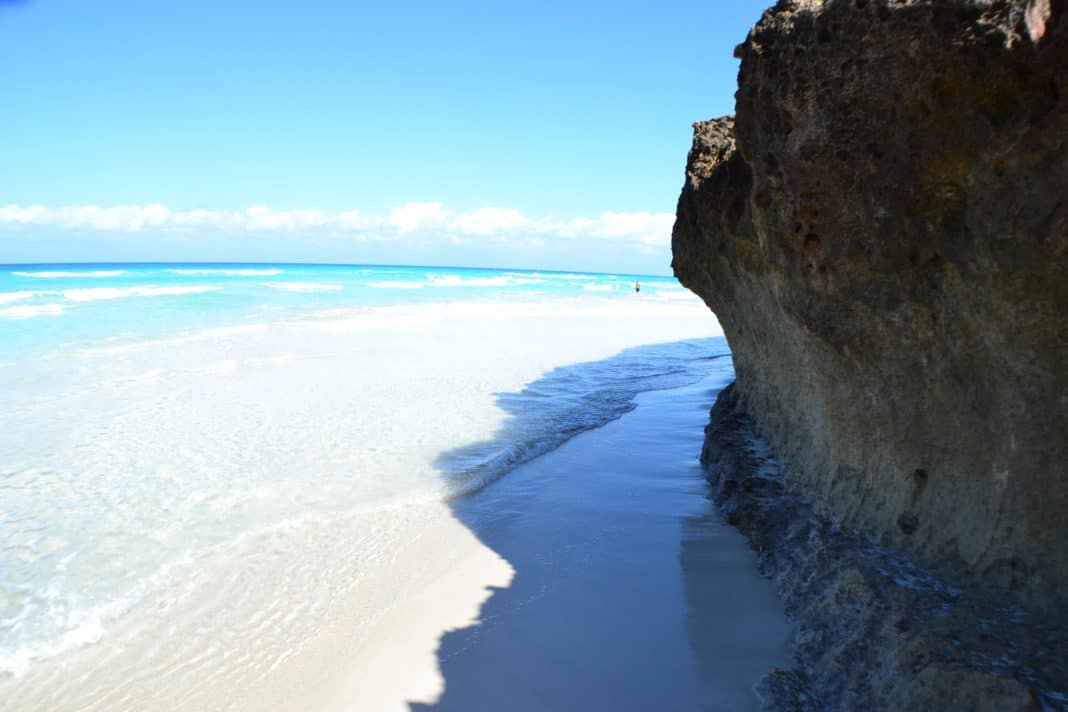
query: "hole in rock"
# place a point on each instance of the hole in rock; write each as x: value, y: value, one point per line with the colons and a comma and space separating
x: 919, y: 477
x: 907, y: 523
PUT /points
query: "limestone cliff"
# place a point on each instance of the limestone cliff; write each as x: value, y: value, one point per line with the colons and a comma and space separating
x: 882, y: 230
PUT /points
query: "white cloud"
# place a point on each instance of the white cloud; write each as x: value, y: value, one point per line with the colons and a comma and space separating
x: 260, y: 217
x: 418, y: 216
x: 652, y: 229
x: 130, y: 218
x: 407, y: 221
x: 492, y: 221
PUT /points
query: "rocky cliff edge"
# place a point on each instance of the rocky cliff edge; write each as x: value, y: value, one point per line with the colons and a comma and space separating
x: 882, y: 230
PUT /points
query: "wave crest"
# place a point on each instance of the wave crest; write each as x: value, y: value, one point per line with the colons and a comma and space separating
x: 229, y: 272
x: 304, y: 286
x: 8, y: 297
x: 28, y: 311
x: 96, y: 294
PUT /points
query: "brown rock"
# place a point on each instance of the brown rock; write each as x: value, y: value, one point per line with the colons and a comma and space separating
x: 882, y: 231
x: 874, y: 630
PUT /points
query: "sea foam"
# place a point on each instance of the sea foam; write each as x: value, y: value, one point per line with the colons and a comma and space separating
x: 28, y: 311
x: 304, y: 286
x: 8, y: 297
x: 94, y: 294
x: 456, y: 280
x: 228, y: 272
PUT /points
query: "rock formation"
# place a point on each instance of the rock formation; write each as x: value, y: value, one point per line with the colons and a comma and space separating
x: 874, y: 630
x: 882, y: 230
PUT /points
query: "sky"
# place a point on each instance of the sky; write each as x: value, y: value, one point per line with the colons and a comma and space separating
x: 548, y: 135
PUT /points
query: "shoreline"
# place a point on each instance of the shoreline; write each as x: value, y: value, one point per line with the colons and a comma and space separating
x: 388, y: 662
x: 875, y: 630
x: 629, y: 591
x: 309, y: 655
x: 487, y: 612
x: 295, y: 616
x: 482, y: 629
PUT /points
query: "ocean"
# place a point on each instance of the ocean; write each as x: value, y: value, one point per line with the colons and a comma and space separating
x: 197, y: 461
x: 109, y: 304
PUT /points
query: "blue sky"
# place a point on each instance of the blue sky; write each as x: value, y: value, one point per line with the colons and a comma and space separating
x: 548, y: 134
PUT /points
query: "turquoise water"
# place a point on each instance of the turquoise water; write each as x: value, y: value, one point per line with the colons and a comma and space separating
x: 55, y: 306
x: 165, y: 424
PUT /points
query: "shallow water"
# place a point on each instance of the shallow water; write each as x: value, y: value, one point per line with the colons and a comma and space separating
x: 197, y: 462
x: 630, y: 592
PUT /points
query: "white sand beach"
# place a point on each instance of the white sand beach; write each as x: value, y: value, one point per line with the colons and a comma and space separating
x: 609, y: 582
x: 265, y: 516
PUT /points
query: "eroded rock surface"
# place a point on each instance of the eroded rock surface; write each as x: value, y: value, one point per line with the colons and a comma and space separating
x: 875, y: 631
x: 882, y: 230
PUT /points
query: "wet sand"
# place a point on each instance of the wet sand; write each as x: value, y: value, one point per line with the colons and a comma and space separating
x: 628, y: 591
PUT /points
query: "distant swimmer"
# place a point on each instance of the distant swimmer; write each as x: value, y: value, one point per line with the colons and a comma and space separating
x: 637, y: 286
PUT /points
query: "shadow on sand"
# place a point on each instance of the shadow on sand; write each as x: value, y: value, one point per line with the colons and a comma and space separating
x: 628, y: 592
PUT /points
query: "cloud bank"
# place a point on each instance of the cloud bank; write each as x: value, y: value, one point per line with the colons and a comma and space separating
x: 408, y: 221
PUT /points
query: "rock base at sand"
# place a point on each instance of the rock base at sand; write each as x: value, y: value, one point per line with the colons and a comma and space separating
x: 875, y: 631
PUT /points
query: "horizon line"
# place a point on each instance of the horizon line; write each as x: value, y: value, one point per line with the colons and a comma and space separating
x: 23, y: 265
